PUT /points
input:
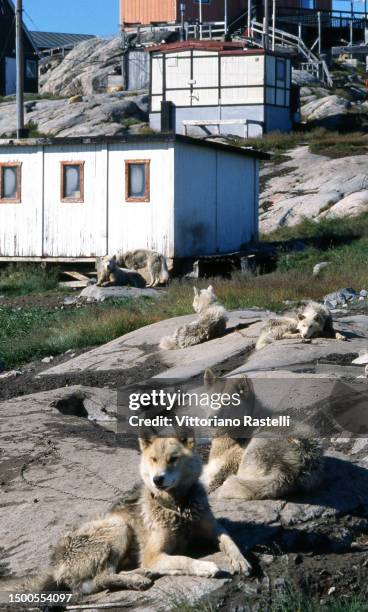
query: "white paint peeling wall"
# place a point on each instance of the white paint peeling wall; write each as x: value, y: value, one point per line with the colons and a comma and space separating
x: 21, y: 226
x: 42, y: 225
x: 201, y: 201
x: 148, y: 225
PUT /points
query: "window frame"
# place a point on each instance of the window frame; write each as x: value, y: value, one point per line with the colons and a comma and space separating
x: 72, y: 200
x: 280, y: 62
x: 147, y: 194
x: 32, y: 64
x: 18, y: 196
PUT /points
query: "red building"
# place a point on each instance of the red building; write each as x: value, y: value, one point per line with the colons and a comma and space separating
x: 151, y: 11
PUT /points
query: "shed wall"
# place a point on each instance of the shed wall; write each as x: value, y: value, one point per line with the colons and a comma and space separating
x: 135, y: 225
x: 215, y: 201
x: 21, y: 226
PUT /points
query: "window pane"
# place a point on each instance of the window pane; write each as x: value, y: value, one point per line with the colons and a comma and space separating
x: 10, y: 183
x: 137, y: 180
x: 31, y: 69
x: 280, y: 69
x: 72, y: 182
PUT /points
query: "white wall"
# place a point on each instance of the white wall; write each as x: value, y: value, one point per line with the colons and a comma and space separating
x: 215, y: 201
x: 71, y: 229
x: 134, y: 225
x: 21, y: 224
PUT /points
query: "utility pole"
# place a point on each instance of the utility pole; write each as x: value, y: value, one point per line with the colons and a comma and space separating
x: 265, y: 24
x: 20, y: 68
x: 200, y: 19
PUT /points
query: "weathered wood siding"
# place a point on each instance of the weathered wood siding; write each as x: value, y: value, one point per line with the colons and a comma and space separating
x: 20, y: 224
x: 134, y: 225
x: 202, y: 200
x: 216, y: 202
x: 71, y: 229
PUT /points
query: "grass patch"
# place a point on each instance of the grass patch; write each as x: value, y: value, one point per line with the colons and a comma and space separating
x: 296, y: 601
x: 320, y: 141
x: 19, y: 279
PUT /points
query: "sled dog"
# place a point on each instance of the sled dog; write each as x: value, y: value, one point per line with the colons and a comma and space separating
x: 151, y: 531
x: 109, y: 274
x: 210, y: 324
x: 314, y: 321
x: 154, y: 262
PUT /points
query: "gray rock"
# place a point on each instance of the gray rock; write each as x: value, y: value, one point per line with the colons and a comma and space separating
x: 313, y: 186
x: 323, y: 108
x: 340, y: 297
x: 319, y: 267
x: 100, y: 294
x: 96, y: 115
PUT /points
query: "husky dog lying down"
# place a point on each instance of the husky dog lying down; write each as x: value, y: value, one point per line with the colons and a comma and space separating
x: 210, y: 324
x: 314, y: 321
x: 151, y: 532
x: 109, y: 274
x: 268, y: 465
x: 154, y: 262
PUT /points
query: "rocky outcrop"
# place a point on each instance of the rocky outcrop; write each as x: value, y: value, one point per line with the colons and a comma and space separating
x: 93, y: 115
x: 313, y: 186
x: 84, y: 70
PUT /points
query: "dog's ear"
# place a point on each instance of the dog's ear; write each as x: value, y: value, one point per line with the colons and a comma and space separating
x: 209, y: 378
x: 145, y: 441
x: 187, y: 441
x: 195, y: 291
x: 301, y: 317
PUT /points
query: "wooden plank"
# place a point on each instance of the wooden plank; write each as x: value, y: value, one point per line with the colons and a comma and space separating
x: 76, y: 275
x: 49, y: 259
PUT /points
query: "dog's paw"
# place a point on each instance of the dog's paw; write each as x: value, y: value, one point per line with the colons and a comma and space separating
x: 206, y: 569
x: 240, y: 565
x: 137, y: 582
x: 340, y: 337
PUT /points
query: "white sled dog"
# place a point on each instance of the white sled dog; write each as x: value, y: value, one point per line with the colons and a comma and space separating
x: 150, y: 531
x: 314, y: 321
x: 154, y: 262
x: 267, y: 465
x: 109, y: 274
x: 210, y: 324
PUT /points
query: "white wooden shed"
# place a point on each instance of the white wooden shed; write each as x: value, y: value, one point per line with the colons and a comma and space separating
x: 222, y: 87
x: 67, y: 198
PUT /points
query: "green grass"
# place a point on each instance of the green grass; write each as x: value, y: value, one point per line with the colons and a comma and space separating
x: 19, y: 279
x: 296, y: 601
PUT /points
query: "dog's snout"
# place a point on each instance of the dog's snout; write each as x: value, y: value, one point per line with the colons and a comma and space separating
x: 159, y: 480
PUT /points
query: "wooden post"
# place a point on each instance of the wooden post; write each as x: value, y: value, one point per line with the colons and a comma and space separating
x: 351, y: 23
x: 319, y: 33
x: 225, y: 16
x: 273, y: 23
x: 249, y: 14
x: 20, y: 67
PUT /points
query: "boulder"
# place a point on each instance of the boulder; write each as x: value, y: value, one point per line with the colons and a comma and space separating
x: 92, y: 115
x: 313, y: 186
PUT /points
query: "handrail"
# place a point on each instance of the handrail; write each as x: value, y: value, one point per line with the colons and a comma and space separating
x: 294, y: 41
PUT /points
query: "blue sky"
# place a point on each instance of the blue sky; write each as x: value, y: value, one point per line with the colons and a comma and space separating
x: 99, y: 17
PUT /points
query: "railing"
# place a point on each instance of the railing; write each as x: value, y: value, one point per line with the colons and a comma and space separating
x: 331, y: 19
x: 205, y: 30
x: 285, y: 39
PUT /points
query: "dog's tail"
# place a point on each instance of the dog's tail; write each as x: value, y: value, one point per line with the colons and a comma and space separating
x: 168, y: 343
x: 164, y: 272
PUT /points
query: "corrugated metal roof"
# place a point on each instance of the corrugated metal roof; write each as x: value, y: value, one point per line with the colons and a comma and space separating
x: 52, y: 40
